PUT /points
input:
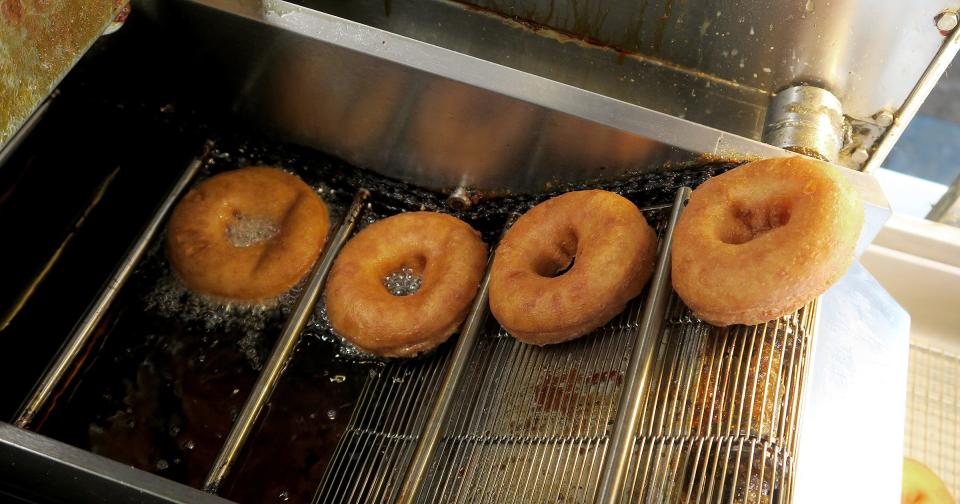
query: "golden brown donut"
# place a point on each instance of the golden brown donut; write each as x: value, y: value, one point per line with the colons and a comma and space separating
x: 247, y: 235
x: 761, y: 240
x: 445, y: 252
x: 612, y: 249
x: 922, y: 486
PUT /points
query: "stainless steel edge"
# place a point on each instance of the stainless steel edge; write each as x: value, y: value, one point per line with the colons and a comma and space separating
x: 440, y: 410
x: 84, y: 329
x: 31, y: 462
x: 947, y: 208
x: 621, y: 444
x: 290, y: 335
x: 850, y: 443
x: 7, y: 149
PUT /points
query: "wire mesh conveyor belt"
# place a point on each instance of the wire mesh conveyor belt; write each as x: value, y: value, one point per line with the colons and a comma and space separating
x: 532, y: 424
x: 488, y: 419
x: 722, y: 408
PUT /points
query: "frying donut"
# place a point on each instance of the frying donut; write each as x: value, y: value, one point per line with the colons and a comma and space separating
x: 761, y: 240
x: 445, y: 252
x: 610, y: 246
x: 247, y: 235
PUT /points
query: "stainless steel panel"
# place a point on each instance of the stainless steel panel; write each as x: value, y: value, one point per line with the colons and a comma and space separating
x: 426, y: 114
x: 851, y: 435
x: 633, y: 78
x: 869, y: 53
x: 715, y: 63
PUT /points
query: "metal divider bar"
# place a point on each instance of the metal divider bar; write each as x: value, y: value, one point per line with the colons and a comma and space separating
x: 641, y: 360
x: 289, y: 337
x: 7, y: 149
x: 427, y: 444
x: 85, y: 328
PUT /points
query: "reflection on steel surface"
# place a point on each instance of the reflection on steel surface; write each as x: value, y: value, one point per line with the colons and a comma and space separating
x: 307, y: 72
x: 854, y: 401
x: 39, y: 43
x: 713, y: 63
x: 806, y: 119
x: 868, y: 53
x: 69, y: 474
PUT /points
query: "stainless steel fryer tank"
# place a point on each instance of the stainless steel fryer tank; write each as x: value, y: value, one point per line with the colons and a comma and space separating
x: 442, y: 119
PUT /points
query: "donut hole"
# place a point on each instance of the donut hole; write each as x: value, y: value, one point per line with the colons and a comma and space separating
x: 558, y: 261
x: 247, y: 231
x: 749, y: 222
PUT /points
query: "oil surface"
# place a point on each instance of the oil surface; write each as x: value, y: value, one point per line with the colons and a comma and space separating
x: 170, y: 370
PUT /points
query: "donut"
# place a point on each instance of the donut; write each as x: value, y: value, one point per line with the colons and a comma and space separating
x: 444, y: 252
x: 763, y: 239
x: 922, y: 486
x: 247, y: 235
x: 569, y: 265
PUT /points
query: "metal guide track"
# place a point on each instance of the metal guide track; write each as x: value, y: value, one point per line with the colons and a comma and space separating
x: 41, y: 396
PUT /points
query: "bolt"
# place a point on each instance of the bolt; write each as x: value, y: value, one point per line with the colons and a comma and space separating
x: 884, y: 118
x: 860, y: 155
x: 459, y: 199
x: 947, y: 21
